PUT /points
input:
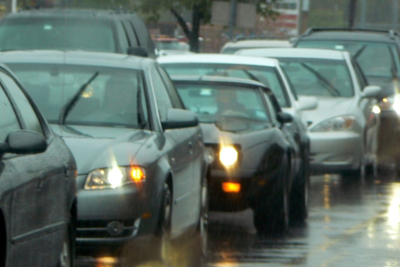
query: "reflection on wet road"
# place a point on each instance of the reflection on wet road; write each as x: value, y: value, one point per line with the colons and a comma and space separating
x: 351, y: 223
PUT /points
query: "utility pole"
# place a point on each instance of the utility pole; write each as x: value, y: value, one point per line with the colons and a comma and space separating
x: 232, y: 20
x: 395, y: 10
x: 364, y: 13
x: 352, y: 12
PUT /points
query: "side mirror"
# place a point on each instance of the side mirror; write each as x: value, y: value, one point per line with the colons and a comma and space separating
x: 371, y: 91
x: 137, y: 51
x: 179, y: 118
x: 283, y: 117
x: 23, y: 142
x: 307, y: 103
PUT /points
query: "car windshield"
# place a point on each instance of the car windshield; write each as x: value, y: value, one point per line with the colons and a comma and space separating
x: 213, y: 103
x: 264, y: 74
x: 318, y: 77
x: 375, y: 59
x: 110, y: 99
x: 57, y: 34
x: 170, y: 45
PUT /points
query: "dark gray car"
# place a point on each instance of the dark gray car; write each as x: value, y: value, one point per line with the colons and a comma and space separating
x: 37, y: 184
x: 114, y: 31
x: 140, y: 156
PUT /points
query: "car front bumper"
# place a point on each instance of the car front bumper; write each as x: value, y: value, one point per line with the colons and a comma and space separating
x: 113, y: 217
x: 253, y: 185
x: 335, y: 152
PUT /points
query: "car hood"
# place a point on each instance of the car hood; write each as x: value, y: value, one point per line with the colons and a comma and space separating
x: 214, y: 135
x: 387, y: 84
x: 330, y: 107
x: 99, y: 147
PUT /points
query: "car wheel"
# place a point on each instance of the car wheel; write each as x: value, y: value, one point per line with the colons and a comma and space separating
x: 203, y: 221
x: 299, y: 195
x: 164, y: 231
x: 273, y: 216
x: 359, y: 173
x: 67, y: 253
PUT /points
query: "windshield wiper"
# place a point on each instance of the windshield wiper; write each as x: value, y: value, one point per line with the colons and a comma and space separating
x: 330, y: 87
x: 359, y: 52
x: 68, y: 107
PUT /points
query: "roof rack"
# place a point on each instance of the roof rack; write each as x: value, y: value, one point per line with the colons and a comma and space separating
x: 393, y: 34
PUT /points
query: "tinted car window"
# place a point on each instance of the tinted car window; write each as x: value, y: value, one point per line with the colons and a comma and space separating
x: 28, y: 114
x: 263, y: 74
x: 59, y: 34
x: 122, y: 37
x: 8, y: 119
x: 133, y: 40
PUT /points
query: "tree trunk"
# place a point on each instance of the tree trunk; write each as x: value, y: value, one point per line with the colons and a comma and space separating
x: 194, y: 38
x: 352, y: 12
x: 192, y: 35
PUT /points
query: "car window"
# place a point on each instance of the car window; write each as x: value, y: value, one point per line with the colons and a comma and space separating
x: 122, y: 37
x: 27, y: 113
x: 319, y: 77
x: 58, y: 34
x: 133, y: 41
x: 271, y: 109
x: 111, y: 99
x: 375, y: 59
x: 175, y: 99
x: 359, y: 75
x: 212, y: 101
x: 162, y: 98
x: 264, y: 74
x: 8, y: 119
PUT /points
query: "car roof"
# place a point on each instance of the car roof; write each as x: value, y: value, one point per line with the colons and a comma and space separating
x: 217, y: 79
x: 217, y: 59
x: 68, y: 13
x: 258, y: 43
x: 74, y: 58
x: 368, y: 35
x: 296, y: 53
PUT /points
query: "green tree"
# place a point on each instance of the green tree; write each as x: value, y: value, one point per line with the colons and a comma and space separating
x: 201, y: 13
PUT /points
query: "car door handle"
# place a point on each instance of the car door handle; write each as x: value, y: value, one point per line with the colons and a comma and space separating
x: 190, y: 148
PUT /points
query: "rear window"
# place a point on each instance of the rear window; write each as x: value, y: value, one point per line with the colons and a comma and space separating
x: 57, y: 34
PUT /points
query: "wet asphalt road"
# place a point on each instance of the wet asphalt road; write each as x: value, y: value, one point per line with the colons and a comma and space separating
x: 351, y: 223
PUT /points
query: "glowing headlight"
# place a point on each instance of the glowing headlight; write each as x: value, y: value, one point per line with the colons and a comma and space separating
x: 228, y: 156
x: 396, y: 104
x: 114, y: 177
x: 342, y: 123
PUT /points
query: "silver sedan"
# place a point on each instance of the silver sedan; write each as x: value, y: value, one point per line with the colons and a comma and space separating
x: 343, y: 129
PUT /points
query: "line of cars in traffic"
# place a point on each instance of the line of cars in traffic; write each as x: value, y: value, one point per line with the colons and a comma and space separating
x: 155, y: 145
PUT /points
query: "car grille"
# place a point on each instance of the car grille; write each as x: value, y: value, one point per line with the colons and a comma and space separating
x: 99, y: 229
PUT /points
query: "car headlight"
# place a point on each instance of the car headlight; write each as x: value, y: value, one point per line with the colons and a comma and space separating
x: 341, y: 123
x: 228, y: 156
x: 114, y: 177
x: 387, y: 102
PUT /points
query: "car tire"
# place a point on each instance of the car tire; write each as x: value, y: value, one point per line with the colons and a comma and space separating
x: 300, y: 193
x: 202, y: 227
x: 273, y: 216
x: 164, y: 227
x: 67, y: 255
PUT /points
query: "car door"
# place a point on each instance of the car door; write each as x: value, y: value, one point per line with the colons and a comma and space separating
x: 197, y: 147
x: 180, y: 158
x: 39, y: 197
